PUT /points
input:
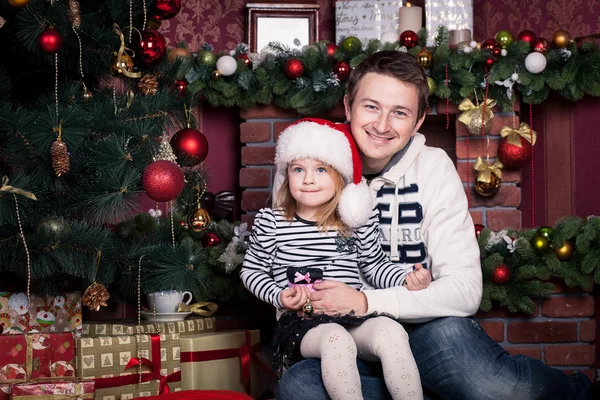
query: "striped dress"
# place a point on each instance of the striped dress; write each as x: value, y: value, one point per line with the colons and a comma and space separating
x: 277, y: 244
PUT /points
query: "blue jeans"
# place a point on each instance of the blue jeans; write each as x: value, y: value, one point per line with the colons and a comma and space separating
x: 456, y: 360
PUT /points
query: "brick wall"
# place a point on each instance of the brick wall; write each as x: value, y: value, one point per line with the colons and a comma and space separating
x: 562, y: 330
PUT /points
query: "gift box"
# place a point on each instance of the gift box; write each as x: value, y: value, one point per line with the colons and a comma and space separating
x: 60, y: 313
x: 366, y: 19
x: 5, y: 391
x: 190, y: 325
x: 127, y: 366
x: 53, y: 391
x: 223, y: 361
x: 36, y: 356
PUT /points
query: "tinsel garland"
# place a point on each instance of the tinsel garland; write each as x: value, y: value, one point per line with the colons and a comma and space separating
x: 530, y: 270
x: 572, y: 72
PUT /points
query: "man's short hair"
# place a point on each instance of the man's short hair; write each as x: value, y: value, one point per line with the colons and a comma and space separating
x: 396, y: 64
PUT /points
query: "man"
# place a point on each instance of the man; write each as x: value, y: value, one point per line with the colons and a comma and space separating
x: 424, y: 220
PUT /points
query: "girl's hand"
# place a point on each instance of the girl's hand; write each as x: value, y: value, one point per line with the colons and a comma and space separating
x: 293, y: 298
x: 418, y: 279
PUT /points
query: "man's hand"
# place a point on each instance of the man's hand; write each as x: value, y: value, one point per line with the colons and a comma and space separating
x: 418, y: 279
x: 334, y: 297
x: 293, y: 298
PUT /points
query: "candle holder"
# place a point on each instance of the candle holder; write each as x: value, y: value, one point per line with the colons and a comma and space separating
x: 457, y: 36
x: 454, y: 15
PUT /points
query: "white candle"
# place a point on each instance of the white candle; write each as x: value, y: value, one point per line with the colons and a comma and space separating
x: 410, y: 18
x: 454, y: 15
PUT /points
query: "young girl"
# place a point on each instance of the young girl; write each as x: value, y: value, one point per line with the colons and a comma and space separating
x: 323, y: 227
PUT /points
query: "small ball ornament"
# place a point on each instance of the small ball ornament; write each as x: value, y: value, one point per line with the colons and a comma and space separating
x: 183, y: 223
x: 489, y: 44
x: 18, y: 3
x: 351, y: 44
x: 565, y: 252
x: 49, y: 41
x: 163, y: 180
x: 488, y: 189
x: 409, y: 39
x: 425, y: 59
x: 540, y: 244
x: 527, y: 36
x: 478, y: 229
x: 513, y: 156
x: 246, y: 60
x: 226, y: 65
x: 216, y: 75
x: 540, y: 45
x: 308, y: 308
x: 165, y: 9
x: 431, y: 85
x: 199, y: 220
x: 207, y: 58
x: 489, y: 62
x: 504, y: 38
x: 293, y: 68
x: 179, y: 53
x: 210, y: 239
x: 119, y: 65
x: 561, y: 39
x: 331, y: 48
x: 180, y: 86
x: 153, y: 47
x: 535, y: 62
x: 545, y: 231
x: 190, y: 146
x: 342, y: 70
x: 501, y: 274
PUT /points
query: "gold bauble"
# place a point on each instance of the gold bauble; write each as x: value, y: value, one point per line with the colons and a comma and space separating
x: 425, y: 59
x: 216, y: 74
x: 18, y: 3
x: 540, y: 244
x: 125, y: 63
x: 565, y: 252
x: 199, y: 220
x: 308, y: 308
x: 488, y: 188
x: 179, y: 53
x: 561, y: 39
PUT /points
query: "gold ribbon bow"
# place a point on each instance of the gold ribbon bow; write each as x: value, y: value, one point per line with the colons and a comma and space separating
x: 123, y: 49
x: 203, y: 308
x: 486, y: 170
x: 5, y: 187
x: 513, y: 136
x: 473, y: 117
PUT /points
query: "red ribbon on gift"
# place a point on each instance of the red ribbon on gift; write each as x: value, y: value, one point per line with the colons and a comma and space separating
x: 154, y: 374
x: 245, y: 352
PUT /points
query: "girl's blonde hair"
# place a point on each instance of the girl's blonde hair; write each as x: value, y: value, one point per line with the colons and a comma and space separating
x: 328, y: 216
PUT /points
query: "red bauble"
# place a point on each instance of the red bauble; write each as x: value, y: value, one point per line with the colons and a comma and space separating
x: 246, y: 60
x: 342, y: 70
x: 190, y: 146
x: 540, y: 45
x: 489, y: 44
x: 331, y: 48
x: 512, y: 156
x: 409, y: 39
x: 180, y: 85
x: 527, y: 36
x: 49, y: 41
x: 478, y: 229
x: 496, y: 51
x: 489, y: 62
x: 152, y: 47
x: 210, y: 239
x: 165, y: 9
x: 294, y: 68
x: 501, y: 274
x: 163, y: 180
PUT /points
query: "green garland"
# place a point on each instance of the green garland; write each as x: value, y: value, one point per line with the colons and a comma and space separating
x: 572, y: 72
x: 529, y: 270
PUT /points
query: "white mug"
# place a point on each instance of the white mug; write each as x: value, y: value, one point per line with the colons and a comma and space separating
x: 167, y: 300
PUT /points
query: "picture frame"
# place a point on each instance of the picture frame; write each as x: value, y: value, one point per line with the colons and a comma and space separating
x: 293, y: 25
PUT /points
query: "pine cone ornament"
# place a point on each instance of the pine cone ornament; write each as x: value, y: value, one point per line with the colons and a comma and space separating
x: 95, y: 296
x: 148, y: 85
x: 74, y: 13
x: 59, y: 155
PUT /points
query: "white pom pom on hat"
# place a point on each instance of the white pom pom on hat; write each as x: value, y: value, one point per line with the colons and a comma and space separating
x: 334, y: 145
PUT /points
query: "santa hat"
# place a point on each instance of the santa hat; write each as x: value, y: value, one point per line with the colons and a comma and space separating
x: 334, y: 145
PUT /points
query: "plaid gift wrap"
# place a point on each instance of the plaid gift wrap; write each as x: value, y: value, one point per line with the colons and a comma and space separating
x: 36, y: 356
x: 56, y: 314
x: 113, y: 363
x: 223, y: 361
x: 53, y: 391
x: 190, y: 325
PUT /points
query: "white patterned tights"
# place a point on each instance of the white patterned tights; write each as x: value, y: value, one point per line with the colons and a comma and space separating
x: 377, y: 339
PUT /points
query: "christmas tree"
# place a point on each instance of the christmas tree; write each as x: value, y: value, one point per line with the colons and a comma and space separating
x: 88, y: 96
